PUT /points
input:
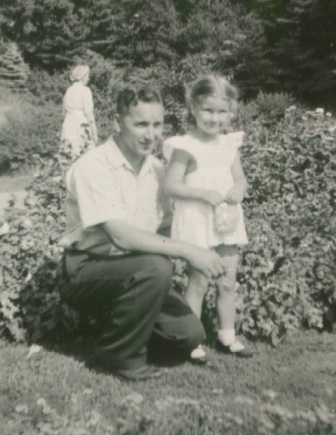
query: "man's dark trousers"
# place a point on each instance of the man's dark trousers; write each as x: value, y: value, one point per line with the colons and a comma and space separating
x: 132, y: 294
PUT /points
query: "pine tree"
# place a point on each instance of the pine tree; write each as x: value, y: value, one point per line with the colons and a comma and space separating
x: 300, y: 48
x: 48, y: 31
x: 13, y: 71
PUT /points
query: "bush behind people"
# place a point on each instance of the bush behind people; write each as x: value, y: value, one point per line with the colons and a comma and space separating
x: 286, y: 278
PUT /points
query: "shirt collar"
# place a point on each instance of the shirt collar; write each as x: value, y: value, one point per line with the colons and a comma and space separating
x: 117, y: 159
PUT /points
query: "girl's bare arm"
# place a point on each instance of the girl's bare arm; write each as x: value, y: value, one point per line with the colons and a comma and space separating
x: 175, y: 187
x: 237, y: 192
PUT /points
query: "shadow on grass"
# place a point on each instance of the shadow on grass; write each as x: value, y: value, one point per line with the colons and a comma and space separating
x: 80, y: 347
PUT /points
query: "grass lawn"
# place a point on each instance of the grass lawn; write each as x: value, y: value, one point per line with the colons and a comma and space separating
x: 287, y: 390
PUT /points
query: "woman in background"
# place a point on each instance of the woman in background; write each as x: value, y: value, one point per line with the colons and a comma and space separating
x: 79, y: 126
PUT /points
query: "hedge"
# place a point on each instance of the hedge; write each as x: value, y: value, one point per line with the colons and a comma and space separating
x: 286, y: 278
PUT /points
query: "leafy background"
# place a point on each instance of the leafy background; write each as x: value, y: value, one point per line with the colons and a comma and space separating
x: 284, y: 72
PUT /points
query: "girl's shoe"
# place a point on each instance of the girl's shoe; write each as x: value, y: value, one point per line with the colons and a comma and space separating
x: 236, y: 348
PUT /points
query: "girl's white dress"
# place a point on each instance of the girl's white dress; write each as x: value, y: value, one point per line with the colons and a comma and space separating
x: 77, y: 103
x: 194, y: 221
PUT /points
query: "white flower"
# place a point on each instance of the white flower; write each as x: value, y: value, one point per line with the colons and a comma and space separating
x: 319, y: 111
x: 4, y: 229
x: 22, y: 409
x: 34, y: 348
x: 27, y: 222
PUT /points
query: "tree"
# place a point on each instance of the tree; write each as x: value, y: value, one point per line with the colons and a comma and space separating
x: 301, y: 47
x: 13, y: 70
x: 47, y: 30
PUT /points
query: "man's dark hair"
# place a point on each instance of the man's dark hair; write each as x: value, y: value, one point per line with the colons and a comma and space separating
x: 131, y: 95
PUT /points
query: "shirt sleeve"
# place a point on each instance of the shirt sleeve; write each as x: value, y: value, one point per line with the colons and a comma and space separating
x: 170, y: 144
x: 95, y: 189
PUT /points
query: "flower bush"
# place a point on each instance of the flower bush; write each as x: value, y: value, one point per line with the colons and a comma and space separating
x: 30, y: 271
x: 286, y: 279
x: 23, y: 139
x: 287, y: 272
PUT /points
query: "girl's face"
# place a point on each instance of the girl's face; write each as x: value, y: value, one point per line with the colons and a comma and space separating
x: 211, y: 114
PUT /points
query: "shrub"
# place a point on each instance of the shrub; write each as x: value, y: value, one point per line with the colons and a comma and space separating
x: 47, y: 88
x: 25, y: 137
x: 30, y: 306
x: 286, y: 279
x: 287, y: 269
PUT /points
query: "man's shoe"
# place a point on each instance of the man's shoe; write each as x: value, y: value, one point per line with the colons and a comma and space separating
x: 199, y: 361
x: 142, y: 373
x: 198, y: 356
x: 241, y: 352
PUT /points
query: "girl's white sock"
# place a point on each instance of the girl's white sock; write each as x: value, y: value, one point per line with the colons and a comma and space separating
x: 226, y: 336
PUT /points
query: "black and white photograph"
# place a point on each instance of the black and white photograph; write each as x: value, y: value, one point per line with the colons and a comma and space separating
x: 167, y: 217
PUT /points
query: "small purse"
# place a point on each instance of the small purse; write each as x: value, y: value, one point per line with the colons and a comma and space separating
x: 226, y: 217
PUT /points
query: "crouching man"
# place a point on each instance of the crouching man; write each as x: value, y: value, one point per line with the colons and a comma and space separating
x: 116, y: 261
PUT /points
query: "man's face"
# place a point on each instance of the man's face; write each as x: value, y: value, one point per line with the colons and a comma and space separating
x: 141, y: 129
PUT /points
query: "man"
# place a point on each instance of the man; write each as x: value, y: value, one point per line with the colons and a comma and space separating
x: 115, y: 259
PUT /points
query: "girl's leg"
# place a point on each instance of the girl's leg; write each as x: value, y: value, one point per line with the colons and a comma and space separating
x: 195, y: 292
x: 226, y: 297
x: 226, y: 304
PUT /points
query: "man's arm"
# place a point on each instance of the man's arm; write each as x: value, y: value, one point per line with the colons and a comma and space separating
x: 129, y: 238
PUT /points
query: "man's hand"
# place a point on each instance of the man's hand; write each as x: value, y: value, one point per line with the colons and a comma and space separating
x: 206, y: 261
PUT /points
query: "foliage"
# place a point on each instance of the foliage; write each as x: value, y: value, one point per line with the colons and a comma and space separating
x: 29, y: 274
x: 138, y: 34
x: 287, y: 269
x: 13, y: 70
x: 300, y: 48
x: 47, y: 88
x: 286, y: 278
x: 49, y: 31
x: 14, y: 106
x: 29, y: 132
x: 264, y: 45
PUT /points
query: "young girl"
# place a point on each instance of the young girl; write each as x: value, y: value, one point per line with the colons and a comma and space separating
x: 207, y: 182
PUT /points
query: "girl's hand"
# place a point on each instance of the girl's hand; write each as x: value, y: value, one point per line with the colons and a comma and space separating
x: 235, y: 195
x: 212, y: 197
